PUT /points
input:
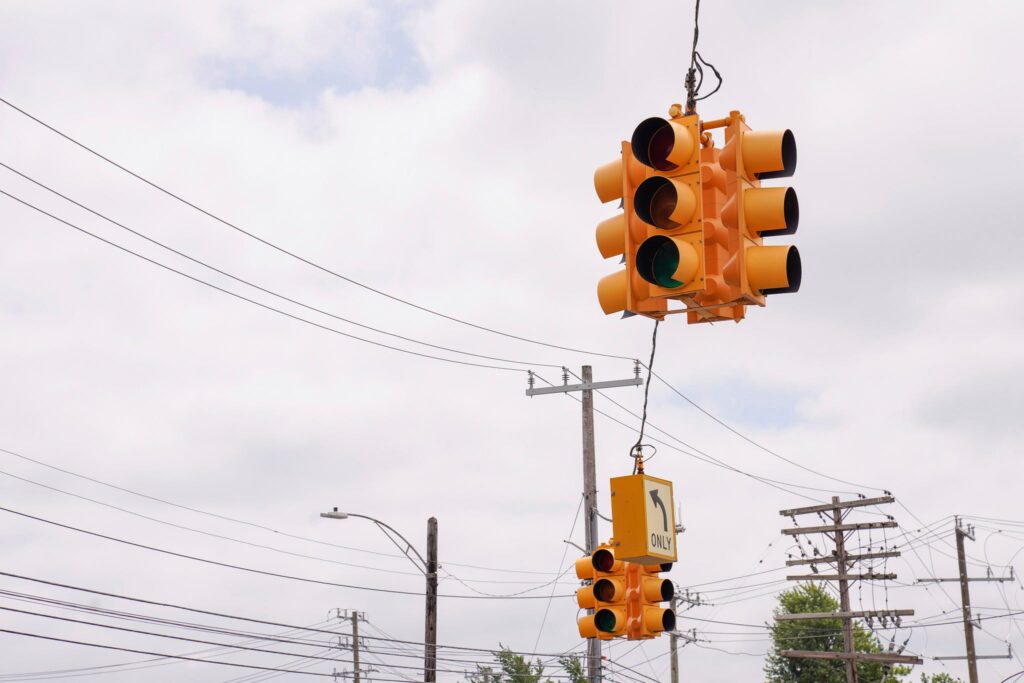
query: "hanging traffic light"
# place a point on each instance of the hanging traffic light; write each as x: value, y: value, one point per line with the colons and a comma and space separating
x: 645, y: 590
x: 694, y: 217
x: 604, y: 597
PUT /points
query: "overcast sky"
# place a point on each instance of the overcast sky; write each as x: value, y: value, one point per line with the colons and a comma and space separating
x: 443, y: 152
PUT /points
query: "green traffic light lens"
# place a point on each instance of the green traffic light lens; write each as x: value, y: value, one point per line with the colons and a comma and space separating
x: 666, y: 262
x: 604, y: 620
x: 657, y: 260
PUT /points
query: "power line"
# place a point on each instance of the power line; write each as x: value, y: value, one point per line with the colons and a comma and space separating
x: 261, y: 572
x: 296, y: 256
x: 707, y: 459
x: 224, y: 615
x: 751, y: 441
x: 161, y: 654
x: 249, y: 283
x: 254, y: 525
x: 252, y: 301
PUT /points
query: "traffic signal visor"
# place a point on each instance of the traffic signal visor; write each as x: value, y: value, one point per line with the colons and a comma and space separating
x: 663, y: 145
x: 764, y: 154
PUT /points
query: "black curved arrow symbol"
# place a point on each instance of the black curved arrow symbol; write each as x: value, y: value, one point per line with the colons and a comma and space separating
x: 659, y: 503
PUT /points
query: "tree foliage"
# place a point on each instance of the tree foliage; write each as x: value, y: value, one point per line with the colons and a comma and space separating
x: 824, y: 635
x: 515, y: 668
x: 939, y: 678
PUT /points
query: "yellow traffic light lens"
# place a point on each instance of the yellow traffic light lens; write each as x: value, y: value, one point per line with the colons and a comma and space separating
x: 769, y: 154
x: 664, y: 203
x: 667, y: 262
x: 664, y: 145
x: 604, y: 590
x: 605, y: 620
x: 774, y: 270
x: 604, y: 560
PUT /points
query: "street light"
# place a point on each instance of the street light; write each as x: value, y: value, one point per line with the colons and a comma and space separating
x: 427, y: 567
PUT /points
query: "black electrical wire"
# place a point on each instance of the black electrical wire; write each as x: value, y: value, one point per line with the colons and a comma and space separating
x: 224, y: 615
x: 752, y: 442
x: 247, y: 635
x: 164, y: 655
x: 637, y: 450
x: 296, y: 256
x: 200, y: 641
x: 254, y: 525
x: 262, y: 572
x: 247, y: 299
x: 264, y: 289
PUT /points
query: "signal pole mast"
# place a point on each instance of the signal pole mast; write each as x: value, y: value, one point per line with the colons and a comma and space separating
x: 587, y: 387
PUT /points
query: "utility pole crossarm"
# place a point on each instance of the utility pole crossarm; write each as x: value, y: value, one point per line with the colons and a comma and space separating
x: 839, y: 527
x: 828, y: 507
x: 828, y: 559
x: 847, y: 615
x: 966, y: 578
x: 869, y: 576
x: 586, y: 386
x: 883, y: 657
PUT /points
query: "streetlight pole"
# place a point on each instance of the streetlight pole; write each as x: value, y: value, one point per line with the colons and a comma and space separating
x: 428, y: 568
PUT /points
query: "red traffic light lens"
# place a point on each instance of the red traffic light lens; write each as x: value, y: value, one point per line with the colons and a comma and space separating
x: 603, y: 560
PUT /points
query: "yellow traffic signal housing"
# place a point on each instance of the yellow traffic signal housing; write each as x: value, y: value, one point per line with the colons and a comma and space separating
x: 694, y: 217
x: 643, y: 519
x: 752, y: 212
x: 668, y: 205
x: 645, y: 590
x: 605, y: 595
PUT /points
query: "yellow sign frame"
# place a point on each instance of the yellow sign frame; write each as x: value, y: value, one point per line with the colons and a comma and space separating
x: 643, y: 519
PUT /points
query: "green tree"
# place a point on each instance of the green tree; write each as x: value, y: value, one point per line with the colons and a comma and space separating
x: 823, y: 635
x: 939, y: 678
x: 515, y: 668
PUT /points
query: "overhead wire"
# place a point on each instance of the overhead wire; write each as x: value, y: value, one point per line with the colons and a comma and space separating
x: 252, y: 570
x: 260, y: 288
x: 225, y: 615
x: 295, y: 255
x: 254, y: 302
x: 248, y: 523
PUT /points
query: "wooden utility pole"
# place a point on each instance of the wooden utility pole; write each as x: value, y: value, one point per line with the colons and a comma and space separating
x: 673, y: 644
x: 843, y: 562
x: 430, y: 632
x: 965, y: 603
x: 587, y: 388
x: 353, y: 616
x: 844, y: 591
x: 357, y: 672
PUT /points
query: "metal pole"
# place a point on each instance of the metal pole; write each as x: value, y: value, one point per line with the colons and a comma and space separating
x: 673, y: 644
x: 430, y: 634
x: 965, y: 599
x: 844, y: 593
x: 355, y: 646
x: 590, y: 508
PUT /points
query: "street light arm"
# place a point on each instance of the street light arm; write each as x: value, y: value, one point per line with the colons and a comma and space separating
x: 387, y: 530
